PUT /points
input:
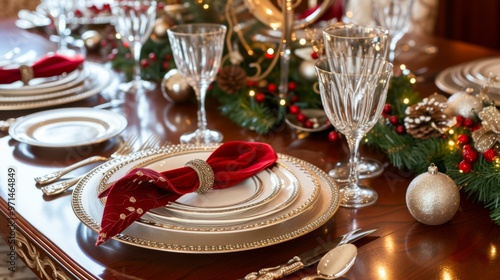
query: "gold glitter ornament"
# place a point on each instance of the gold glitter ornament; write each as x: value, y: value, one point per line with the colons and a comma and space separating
x: 175, y: 88
x: 432, y: 198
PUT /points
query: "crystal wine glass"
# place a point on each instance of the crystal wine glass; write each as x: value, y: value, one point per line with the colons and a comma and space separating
x: 342, y: 39
x: 353, y: 92
x: 197, y: 51
x: 134, y: 21
x: 60, y: 12
x: 395, y: 16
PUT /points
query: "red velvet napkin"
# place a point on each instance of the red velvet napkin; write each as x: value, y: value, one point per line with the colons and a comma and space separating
x: 47, y: 66
x: 143, y: 189
x: 336, y: 10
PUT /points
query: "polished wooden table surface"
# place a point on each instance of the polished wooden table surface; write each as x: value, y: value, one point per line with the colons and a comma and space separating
x: 54, y: 242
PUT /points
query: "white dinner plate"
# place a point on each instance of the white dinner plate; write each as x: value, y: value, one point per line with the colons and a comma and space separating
x: 44, y: 85
x: 249, y: 192
x: 88, y: 209
x: 270, y: 187
x: 459, y: 77
x: 287, y: 195
x: 480, y: 70
x: 67, y: 127
x: 100, y: 79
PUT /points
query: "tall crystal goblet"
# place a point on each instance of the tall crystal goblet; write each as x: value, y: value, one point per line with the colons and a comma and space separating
x: 349, y: 39
x: 134, y: 21
x: 353, y: 92
x: 197, y: 51
x: 60, y: 12
x: 395, y: 16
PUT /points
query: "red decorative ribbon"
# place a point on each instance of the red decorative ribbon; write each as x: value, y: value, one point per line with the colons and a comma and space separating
x: 47, y: 66
x: 143, y: 189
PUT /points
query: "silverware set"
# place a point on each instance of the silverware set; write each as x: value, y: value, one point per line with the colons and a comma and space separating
x: 53, y: 187
x: 308, y: 258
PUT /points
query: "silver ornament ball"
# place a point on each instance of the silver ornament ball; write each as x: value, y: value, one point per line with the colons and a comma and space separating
x: 432, y: 198
x: 307, y: 70
x: 175, y: 88
x: 464, y: 103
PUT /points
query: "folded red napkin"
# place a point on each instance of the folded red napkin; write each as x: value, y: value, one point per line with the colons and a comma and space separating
x: 47, y: 66
x: 143, y: 189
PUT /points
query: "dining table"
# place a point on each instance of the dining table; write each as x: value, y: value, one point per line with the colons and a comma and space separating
x: 55, y: 244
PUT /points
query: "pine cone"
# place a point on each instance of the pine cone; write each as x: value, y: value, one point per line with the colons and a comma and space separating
x: 231, y: 78
x: 427, y: 119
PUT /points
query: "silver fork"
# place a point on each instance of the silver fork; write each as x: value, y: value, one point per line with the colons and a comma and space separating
x: 125, y: 148
x: 59, y: 187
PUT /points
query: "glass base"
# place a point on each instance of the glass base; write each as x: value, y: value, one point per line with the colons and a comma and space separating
x: 136, y: 86
x: 367, y: 168
x: 357, y: 197
x: 206, y: 136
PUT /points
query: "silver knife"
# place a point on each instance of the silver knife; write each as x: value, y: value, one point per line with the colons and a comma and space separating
x: 307, y: 258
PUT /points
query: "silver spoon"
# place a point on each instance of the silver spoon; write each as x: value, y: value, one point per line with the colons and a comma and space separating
x: 336, y: 262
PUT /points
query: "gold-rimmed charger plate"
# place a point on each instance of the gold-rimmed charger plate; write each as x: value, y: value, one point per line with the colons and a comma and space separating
x: 149, y: 235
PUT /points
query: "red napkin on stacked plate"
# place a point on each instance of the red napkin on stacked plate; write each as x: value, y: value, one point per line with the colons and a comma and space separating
x: 47, y: 66
x: 143, y: 189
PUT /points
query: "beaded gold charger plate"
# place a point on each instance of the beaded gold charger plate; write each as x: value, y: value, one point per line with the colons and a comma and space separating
x: 317, y: 202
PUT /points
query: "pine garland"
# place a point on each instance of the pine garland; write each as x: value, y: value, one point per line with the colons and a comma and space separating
x: 481, y: 183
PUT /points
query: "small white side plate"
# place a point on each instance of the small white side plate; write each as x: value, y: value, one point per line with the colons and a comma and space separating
x: 67, y: 127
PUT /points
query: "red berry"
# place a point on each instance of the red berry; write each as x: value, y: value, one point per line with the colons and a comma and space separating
x: 111, y: 56
x: 167, y: 57
x: 314, y: 55
x: 476, y: 127
x: 78, y: 13
x: 272, y: 87
x: 308, y: 124
x: 269, y: 55
x: 489, y: 155
x: 333, y: 136
x: 468, y: 123
x: 166, y: 65
x: 294, y: 109
x: 250, y: 83
x: 463, y: 139
x: 152, y: 56
x: 394, y: 120
x: 292, y: 86
x: 144, y: 63
x: 387, y: 108
x: 400, y: 129
x: 460, y: 120
x: 469, y: 155
x: 294, y: 99
x: 260, y: 97
x: 464, y: 166
x: 301, y: 117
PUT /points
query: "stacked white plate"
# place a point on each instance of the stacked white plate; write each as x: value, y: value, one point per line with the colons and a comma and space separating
x: 471, y: 74
x: 278, y: 204
x: 79, y: 84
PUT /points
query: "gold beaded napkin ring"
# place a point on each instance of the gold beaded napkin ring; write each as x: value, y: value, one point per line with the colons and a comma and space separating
x: 205, y: 173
